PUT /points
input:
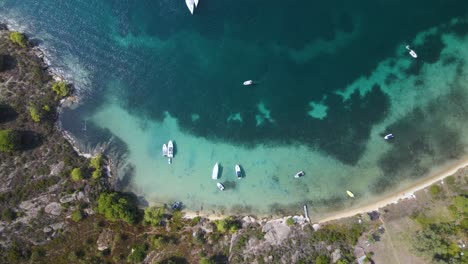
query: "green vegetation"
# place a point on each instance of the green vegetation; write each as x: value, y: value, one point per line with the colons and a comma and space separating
x: 322, y: 259
x: 60, y: 88
x: 96, y: 164
x: 227, y: 224
x: 77, y: 174
x: 19, y: 39
x: 435, y: 190
x: 115, y: 206
x: 153, y: 216
x: 138, y: 254
x: 35, y: 113
x: 77, y: 215
x: 8, y: 140
x: 46, y: 108
x: 96, y: 174
x: 290, y: 221
x: 206, y: 261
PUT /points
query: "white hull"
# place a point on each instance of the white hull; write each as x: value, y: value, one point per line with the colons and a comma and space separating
x: 164, y: 150
x: 238, y: 172
x: 214, y: 175
x: 220, y: 186
x: 191, y: 5
x: 196, y: 3
x: 299, y: 174
x: 411, y: 52
x: 170, y: 149
x: 350, y: 194
x: 249, y: 82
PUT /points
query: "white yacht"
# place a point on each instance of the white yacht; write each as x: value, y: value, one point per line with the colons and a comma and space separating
x: 238, y: 172
x: 411, y: 52
x: 389, y: 136
x: 299, y: 174
x: 164, y: 150
x: 220, y: 186
x: 191, y: 5
x: 214, y: 175
x: 248, y: 82
x: 170, y: 149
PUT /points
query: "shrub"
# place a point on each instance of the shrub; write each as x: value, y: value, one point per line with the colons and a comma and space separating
x: 60, y: 88
x: 18, y: 38
x: 76, y: 174
x: 115, y: 206
x: 138, y: 254
x: 322, y: 259
x: 8, y: 140
x: 227, y: 224
x: 46, y: 108
x: 96, y: 174
x: 153, y: 216
x: 206, y: 261
x: 77, y: 215
x: 36, y: 115
x: 435, y: 190
x: 290, y: 221
x: 195, y: 220
x: 96, y: 162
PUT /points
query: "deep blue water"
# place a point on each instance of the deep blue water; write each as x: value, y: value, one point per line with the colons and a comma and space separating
x: 155, y: 58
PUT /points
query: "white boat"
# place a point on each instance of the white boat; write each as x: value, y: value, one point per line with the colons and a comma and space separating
x: 350, y: 194
x: 411, y: 52
x: 196, y: 3
x: 214, y: 175
x: 248, y: 82
x: 238, y: 172
x: 190, y: 5
x: 164, y: 150
x: 389, y: 136
x: 220, y: 186
x: 299, y: 174
x: 170, y: 149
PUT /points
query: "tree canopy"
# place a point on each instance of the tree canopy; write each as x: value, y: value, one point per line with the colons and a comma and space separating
x: 8, y: 140
x: 19, y: 39
x: 115, y: 206
x: 153, y: 215
x: 60, y: 88
x: 77, y: 174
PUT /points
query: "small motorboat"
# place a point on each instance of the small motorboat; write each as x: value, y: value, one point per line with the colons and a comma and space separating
x: 299, y: 174
x: 238, y: 172
x: 191, y: 5
x: 411, y: 52
x: 176, y: 206
x: 389, y: 136
x: 350, y: 194
x: 248, y: 82
x: 170, y: 149
x: 220, y: 186
x: 164, y: 150
x: 214, y: 175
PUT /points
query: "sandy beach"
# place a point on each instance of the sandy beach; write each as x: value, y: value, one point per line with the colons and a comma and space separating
x: 407, y: 193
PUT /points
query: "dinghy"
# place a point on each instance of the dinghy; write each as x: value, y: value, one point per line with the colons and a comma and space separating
x: 238, y: 172
x: 191, y: 5
x: 350, y: 194
x: 176, y: 206
x: 389, y: 136
x: 164, y: 150
x: 411, y: 52
x: 220, y: 186
x: 214, y: 175
x: 248, y: 82
x: 299, y: 174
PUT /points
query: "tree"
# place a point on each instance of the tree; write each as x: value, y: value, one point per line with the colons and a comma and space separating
x: 8, y: 140
x: 96, y: 162
x: 18, y: 38
x: 36, y: 115
x: 322, y: 259
x: 76, y: 174
x: 115, y: 206
x: 60, y: 88
x: 96, y: 174
x: 153, y: 215
x: 138, y: 254
x: 77, y: 215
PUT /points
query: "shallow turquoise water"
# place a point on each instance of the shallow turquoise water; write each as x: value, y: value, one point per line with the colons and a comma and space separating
x: 332, y: 80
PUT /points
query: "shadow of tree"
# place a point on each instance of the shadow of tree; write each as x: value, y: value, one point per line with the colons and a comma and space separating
x: 7, y: 113
x: 29, y: 140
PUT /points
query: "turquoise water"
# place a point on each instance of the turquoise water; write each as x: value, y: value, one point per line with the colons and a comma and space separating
x: 332, y: 79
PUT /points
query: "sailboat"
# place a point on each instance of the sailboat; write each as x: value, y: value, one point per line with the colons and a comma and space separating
x: 191, y: 5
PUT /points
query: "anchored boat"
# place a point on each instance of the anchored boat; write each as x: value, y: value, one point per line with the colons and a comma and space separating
x: 389, y: 136
x: 164, y: 150
x: 299, y: 174
x: 191, y: 5
x: 214, y: 174
x: 238, y: 172
x: 220, y: 186
x: 411, y: 52
x: 248, y: 82
x: 350, y: 194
